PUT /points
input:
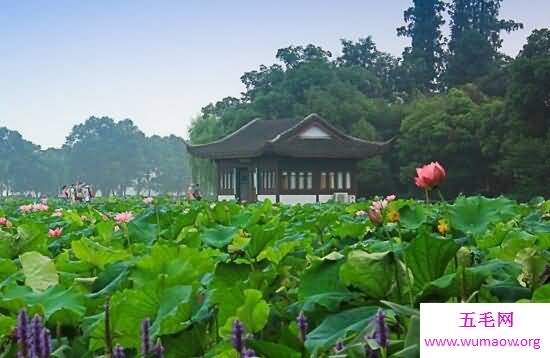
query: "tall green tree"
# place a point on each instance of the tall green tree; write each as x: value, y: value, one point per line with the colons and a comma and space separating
x: 475, y: 39
x: 106, y: 153
x: 423, y: 60
x: 529, y: 92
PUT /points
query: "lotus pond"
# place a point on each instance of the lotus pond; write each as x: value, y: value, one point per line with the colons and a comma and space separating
x: 156, y: 278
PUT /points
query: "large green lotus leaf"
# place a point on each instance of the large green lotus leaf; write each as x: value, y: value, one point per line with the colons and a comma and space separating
x: 174, y: 310
x: 345, y: 229
x: 64, y: 263
x: 543, y: 241
x: 321, y: 277
x: 370, y: 272
x: 109, y: 280
x: 31, y: 236
x: 97, y: 254
x: 320, y: 286
x: 411, y: 347
x: 474, y: 214
x: 468, y: 280
x: 139, y: 230
x: 272, y: 350
x: 168, y: 309
x: 277, y: 252
x: 221, y: 213
x: 542, y: 294
x: 338, y: 326
x: 261, y: 236
x: 254, y: 313
x: 494, y: 237
x: 7, y: 268
x: 57, y: 303
x: 218, y: 236
x: 508, y: 291
x: 535, y: 223
x: 412, y: 216
x: 513, y: 243
x: 174, y: 265
x: 328, y: 300
x: 39, y: 271
x: 7, y: 324
x: 255, y: 310
x: 428, y: 257
x: 226, y: 288
x: 105, y: 230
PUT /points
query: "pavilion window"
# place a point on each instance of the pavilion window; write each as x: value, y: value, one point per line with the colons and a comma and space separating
x: 340, y: 180
x: 331, y: 180
x: 284, y: 181
x: 273, y: 179
x: 309, y: 180
x: 292, y: 180
x: 348, y: 180
x: 323, y: 183
x: 301, y: 181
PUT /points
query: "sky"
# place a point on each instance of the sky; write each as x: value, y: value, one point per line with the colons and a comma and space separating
x: 159, y: 62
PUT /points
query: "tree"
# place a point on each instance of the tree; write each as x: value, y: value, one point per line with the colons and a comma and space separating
x: 19, y: 163
x: 475, y: 39
x: 529, y: 93
x: 364, y: 54
x: 444, y: 128
x: 106, y: 153
x: 423, y: 61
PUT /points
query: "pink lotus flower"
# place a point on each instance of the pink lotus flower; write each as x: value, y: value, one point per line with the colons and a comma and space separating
x: 55, y: 232
x: 430, y: 175
x: 3, y: 221
x: 375, y: 216
x: 25, y: 208
x: 379, y: 204
x: 148, y: 200
x: 124, y: 217
x: 390, y: 198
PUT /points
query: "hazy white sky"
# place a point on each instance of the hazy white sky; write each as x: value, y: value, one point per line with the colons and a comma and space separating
x: 160, y: 62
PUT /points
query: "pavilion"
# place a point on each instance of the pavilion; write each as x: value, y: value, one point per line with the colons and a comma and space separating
x: 288, y: 161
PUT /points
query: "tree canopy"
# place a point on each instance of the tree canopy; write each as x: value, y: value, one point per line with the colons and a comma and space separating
x: 461, y: 101
x: 112, y: 156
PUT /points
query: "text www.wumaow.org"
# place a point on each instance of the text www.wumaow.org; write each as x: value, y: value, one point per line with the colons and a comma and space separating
x: 528, y: 343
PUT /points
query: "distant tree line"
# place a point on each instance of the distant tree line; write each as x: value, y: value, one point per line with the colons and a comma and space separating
x: 112, y: 156
x: 460, y: 101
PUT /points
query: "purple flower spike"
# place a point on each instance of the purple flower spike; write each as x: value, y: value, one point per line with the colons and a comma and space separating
x: 249, y: 353
x: 339, y: 347
x: 22, y: 333
x: 382, y: 331
x: 302, y: 325
x: 369, y: 352
x: 145, y: 337
x: 35, y: 336
x: 45, y: 343
x: 237, y: 334
x: 119, y: 352
x: 159, y: 349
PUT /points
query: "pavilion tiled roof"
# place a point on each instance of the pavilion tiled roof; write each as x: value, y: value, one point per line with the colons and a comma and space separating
x: 281, y: 137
